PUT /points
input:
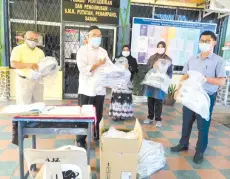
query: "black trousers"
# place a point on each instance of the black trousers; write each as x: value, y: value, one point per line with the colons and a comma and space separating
x: 98, y: 102
x: 155, y: 108
x: 202, y: 125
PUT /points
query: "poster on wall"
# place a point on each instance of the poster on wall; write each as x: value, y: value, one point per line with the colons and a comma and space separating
x: 91, y: 11
x: 74, y: 39
x: 181, y: 38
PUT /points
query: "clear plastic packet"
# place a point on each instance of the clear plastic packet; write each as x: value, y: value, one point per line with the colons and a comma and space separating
x: 114, y: 75
x: 162, y: 65
x: 47, y: 70
x: 193, y: 96
x: 157, y: 77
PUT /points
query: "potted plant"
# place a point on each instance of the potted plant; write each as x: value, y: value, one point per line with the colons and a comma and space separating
x: 170, y: 101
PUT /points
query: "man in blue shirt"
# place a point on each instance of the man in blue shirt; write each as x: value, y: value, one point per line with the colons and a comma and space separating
x: 212, y: 67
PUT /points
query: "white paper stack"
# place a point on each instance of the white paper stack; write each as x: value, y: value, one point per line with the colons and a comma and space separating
x: 18, y: 109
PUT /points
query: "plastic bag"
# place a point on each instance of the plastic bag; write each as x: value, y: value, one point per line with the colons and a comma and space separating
x: 157, y: 80
x: 193, y: 96
x: 48, y: 66
x: 121, y: 63
x: 113, y: 76
x: 162, y: 65
x: 157, y: 77
x: 114, y: 133
x: 47, y: 71
x: 150, y: 158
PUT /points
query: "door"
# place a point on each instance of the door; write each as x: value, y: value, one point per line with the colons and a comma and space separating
x: 74, y: 38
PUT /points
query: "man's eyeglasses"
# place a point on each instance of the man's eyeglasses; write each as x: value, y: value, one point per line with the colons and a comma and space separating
x: 205, y: 41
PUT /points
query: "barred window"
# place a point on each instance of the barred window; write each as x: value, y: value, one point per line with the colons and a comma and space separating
x: 49, y: 10
x: 21, y: 9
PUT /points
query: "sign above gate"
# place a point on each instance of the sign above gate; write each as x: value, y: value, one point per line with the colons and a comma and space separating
x: 91, y: 11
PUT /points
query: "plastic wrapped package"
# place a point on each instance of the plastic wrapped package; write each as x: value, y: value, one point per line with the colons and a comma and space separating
x: 121, y: 62
x: 193, y: 96
x: 48, y: 66
x: 114, y: 133
x: 47, y: 69
x: 157, y: 77
x: 110, y: 76
x: 162, y: 65
x: 157, y: 80
x: 195, y: 81
x: 151, y: 158
x: 114, y: 75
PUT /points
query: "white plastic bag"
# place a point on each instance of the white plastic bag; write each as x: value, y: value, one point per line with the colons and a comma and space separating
x: 121, y: 62
x: 157, y: 77
x: 47, y: 69
x: 150, y: 158
x: 113, y: 75
x: 48, y: 66
x: 114, y: 133
x: 193, y: 96
x: 161, y: 65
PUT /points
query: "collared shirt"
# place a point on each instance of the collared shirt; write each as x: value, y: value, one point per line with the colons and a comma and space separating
x: 213, y: 66
x: 24, y: 54
x: 86, y: 58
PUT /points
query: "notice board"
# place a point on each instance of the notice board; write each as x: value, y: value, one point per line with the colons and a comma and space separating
x: 182, y: 38
x: 91, y: 11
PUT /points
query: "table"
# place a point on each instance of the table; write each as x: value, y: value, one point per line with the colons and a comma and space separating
x: 26, y: 126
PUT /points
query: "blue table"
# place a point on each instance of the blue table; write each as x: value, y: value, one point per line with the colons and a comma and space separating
x: 27, y: 126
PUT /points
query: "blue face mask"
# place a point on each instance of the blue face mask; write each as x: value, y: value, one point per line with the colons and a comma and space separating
x: 95, y: 41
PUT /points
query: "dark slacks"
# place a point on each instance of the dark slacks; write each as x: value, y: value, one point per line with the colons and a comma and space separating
x: 98, y: 102
x: 154, y: 108
x: 203, y: 126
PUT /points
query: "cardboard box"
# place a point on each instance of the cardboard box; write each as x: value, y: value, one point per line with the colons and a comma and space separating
x: 119, y: 157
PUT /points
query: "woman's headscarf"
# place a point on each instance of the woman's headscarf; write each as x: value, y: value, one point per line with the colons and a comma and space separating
x: 163, y: 44
x: 157, y: 56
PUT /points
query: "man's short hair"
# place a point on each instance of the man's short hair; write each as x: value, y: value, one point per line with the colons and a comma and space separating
x: 93, y: 28
x: 212, y: 34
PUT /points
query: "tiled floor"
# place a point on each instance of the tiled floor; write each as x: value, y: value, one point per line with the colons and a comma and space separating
x: 179, y: 165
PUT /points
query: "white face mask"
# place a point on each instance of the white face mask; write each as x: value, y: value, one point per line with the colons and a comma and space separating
x: 160, y: 50
x: 32, y: 44
x: 125, y: 53
x: 95, y: 41
x: 205, y: 47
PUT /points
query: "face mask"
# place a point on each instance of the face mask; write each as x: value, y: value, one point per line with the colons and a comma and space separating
x: 95, y: 41
x: 125, y: 53
x: 205, y: 47
x: 31, y: 43
x: 160, y: 50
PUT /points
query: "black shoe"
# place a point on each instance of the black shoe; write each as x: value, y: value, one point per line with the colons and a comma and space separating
x: 81, y: 144
x: 198, y: 158
x: 179, y: 148
x: 122, y: 119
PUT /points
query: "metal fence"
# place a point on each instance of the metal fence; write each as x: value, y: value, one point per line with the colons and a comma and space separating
x: 43, y: 16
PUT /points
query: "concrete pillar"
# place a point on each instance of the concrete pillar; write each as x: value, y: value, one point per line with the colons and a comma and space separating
x: 4, y: 70
x: 124, y: 25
